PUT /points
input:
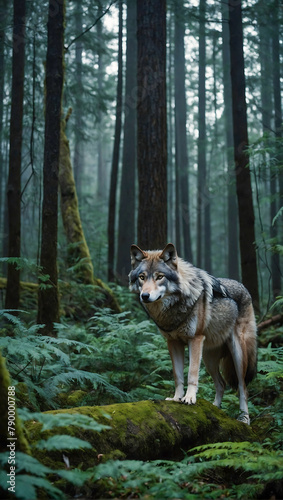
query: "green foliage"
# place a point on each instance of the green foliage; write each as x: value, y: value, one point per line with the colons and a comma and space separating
x: 117, y: 357
x: 192, y: 476
x: 32, y: 474
x: 29, y: 267
x: 46, y: 364
x: 126, y: 351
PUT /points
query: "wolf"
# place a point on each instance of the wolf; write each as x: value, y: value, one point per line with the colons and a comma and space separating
x: 214, y: 317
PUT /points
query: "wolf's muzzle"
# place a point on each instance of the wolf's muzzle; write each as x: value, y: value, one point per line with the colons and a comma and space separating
x: 145, y: 296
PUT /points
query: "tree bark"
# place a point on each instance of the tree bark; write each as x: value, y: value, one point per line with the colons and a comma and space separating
x: 101, y: 164
x: 3, y: 20
x: 202, y: 194
x: 233, y: 226
x: 78, y: 252
x: 116, y: 151
x: 151, y: 120
x: 146, y: 430
x: 243, y: 178
x: 275, y: 263
x: 79, y: 124
x: 182, y: 163
x: 126, y: 228
x: 48, y: 300
x: 15, y: 156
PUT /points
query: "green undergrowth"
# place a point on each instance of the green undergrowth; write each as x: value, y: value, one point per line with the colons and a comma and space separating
x: 118, y: 358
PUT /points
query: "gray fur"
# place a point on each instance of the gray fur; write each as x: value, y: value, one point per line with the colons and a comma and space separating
x: 213, y: 316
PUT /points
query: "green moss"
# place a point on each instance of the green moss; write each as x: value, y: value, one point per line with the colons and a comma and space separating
x: 75, y: 398
x: 5, y: 383
x: 145, y: 430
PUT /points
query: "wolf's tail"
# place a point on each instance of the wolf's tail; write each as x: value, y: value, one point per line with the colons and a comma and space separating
x: 246, y: 332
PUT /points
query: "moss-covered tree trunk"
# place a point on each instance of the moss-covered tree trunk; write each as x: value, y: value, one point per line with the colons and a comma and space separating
x: 78, y: 251
x: 145, y: 430
x: 12, y: 433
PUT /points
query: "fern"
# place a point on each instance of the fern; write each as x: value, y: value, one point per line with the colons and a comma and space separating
x: 250, y: 457
x: 61, y: 442
x: 35, y: 477
x: 46, y: 364
x: 49, y: 420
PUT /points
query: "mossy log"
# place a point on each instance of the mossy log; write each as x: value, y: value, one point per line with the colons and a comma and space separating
x: 145, y: 430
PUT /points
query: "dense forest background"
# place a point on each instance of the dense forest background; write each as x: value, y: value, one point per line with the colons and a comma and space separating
x: 136, y: 122
x: 201, y: 199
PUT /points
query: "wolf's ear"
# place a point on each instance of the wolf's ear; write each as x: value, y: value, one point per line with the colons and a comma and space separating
x: 169, y: 255
x: 137, y: 255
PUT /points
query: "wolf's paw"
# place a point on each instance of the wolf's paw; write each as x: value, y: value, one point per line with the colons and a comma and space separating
x: 191, y: 396
x: 244, y: 417
x: 189, y: 400
x: 175, y: 398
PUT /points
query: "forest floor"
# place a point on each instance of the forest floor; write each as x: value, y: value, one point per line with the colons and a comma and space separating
x: 106, y: 359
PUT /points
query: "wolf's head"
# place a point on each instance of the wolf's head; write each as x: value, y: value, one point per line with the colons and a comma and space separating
x: 154, y: 272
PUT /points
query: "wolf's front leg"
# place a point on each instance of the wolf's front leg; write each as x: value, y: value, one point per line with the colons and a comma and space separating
x: 177, y: 350
x: 195, y: 351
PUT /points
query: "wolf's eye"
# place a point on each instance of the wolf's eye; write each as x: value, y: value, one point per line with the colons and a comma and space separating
x: 141, y: 277
x: 159, y: 276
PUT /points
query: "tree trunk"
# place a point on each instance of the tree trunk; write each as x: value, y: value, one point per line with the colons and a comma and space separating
x: 101, y: 164
x: 151, y: 120
x: 3, y: 20
x: 265, y: 56
x: 182, y: 166
x: 233, y: 229
x: 78, y: 252
x: 202, y: 195
x: 48, y: 300
x: 146, y: 430
x: 275, y: 264
x: 79, y: 125
x: 243, y: 178
x: 116, y: 151
x: 15, y: 156
x: 171, y: 184
x: 126, y: 229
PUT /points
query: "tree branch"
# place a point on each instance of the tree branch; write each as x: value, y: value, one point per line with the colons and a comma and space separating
x: 92, y: 26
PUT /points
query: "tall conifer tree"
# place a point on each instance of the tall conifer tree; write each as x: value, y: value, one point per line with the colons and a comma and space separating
x: 48, y: 307
x: 243, y: 178
x: 15, y: 156
x: 151, y: 120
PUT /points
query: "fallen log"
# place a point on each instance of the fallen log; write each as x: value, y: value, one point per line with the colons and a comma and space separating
x: 274, y: 320
x: 144, y: 430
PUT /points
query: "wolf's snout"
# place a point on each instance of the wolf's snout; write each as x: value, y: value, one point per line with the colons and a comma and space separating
x: 145, y: 296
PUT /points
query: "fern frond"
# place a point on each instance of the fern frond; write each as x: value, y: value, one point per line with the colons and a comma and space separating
x: 51, y: 421
x: 61, y: 442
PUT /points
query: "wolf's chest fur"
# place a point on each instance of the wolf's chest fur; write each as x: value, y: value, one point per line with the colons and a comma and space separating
x: 178, y: 319
x: 174, y: 316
